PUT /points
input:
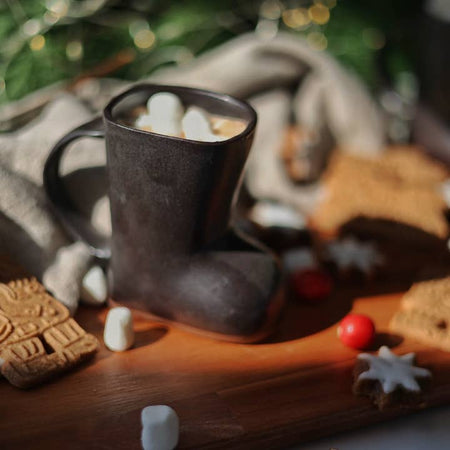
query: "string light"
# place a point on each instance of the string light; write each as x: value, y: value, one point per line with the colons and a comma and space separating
x: 319, y: 14
x: 74, y: 50
x: 144, y: 39
x: 317, y: 40
x: 296, y: 18
x: 142, y: 36
x: 37, y: 42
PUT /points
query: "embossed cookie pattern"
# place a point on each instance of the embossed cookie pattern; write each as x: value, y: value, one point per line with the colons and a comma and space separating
x: 38, y: 339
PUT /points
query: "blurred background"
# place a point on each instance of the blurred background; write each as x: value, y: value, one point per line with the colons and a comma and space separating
x: 45, y: 41
x: 389, y: 44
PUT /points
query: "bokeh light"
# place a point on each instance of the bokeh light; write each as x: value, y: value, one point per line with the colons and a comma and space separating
x: 144, y: 39
x: 74, y: 50
x: 296, y: 18
x: 319, y: 14
x: 317, y: 40
x: 37, y: 42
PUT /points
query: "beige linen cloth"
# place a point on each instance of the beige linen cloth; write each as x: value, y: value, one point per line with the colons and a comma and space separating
x: 282, y: 77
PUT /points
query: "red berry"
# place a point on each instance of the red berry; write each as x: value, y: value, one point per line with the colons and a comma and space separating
x: 356, y: 331
x: 312, y: 284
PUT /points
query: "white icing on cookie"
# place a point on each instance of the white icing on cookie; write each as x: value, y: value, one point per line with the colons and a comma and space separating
x: 350, y: 252
x: 393, y: 371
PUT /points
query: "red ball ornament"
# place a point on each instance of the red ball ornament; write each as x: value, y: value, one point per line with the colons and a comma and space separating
x: 356, y: 331
x: 312, y: 285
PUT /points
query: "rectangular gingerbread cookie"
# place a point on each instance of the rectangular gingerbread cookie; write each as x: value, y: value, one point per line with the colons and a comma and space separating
x: 38, y: 339
x: 396, y: 194
x: 430, y: 329
x: 431, y: 296
x: 425, y: 313
x: 390, y: 380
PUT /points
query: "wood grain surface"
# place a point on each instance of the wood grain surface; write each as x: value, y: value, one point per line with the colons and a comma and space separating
x: 294, y: 387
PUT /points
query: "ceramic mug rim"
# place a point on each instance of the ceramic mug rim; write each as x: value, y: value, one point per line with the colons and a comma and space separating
x: 224, y: 98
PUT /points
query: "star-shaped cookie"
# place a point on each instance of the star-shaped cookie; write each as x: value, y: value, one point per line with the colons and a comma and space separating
x: 350, y: 253
x: 389, y: 379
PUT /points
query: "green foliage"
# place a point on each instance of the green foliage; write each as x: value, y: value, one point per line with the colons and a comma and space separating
x: 29, y: 70
x: 345, y: 41
x: 180, y: 29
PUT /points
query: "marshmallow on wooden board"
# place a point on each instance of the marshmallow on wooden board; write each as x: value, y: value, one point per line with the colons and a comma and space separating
x: 165, y: 112
x: 118, y: 334
x: 94, y: 289
x: 160, y: 428
x: 196, y: 126
x: 270, y: 214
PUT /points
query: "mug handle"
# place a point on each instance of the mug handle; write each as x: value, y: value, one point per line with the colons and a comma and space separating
x: 77, y: 226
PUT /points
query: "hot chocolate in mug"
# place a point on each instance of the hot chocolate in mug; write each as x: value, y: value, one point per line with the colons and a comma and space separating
x: 173, y: 253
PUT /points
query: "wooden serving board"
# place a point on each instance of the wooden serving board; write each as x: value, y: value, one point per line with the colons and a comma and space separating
x: 293, y: 388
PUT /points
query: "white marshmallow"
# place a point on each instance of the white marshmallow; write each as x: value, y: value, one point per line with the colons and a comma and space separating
x: 165, y: 104
x: 118, y: 334
x: 143, y: 121
x: 165, y: 112
x: 94, y: 289
x: 196, y: 126
x: 269, y: 214
x: 160, y: 428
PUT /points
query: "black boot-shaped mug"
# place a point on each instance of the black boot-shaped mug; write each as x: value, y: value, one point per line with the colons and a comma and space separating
x: 173, y: 254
